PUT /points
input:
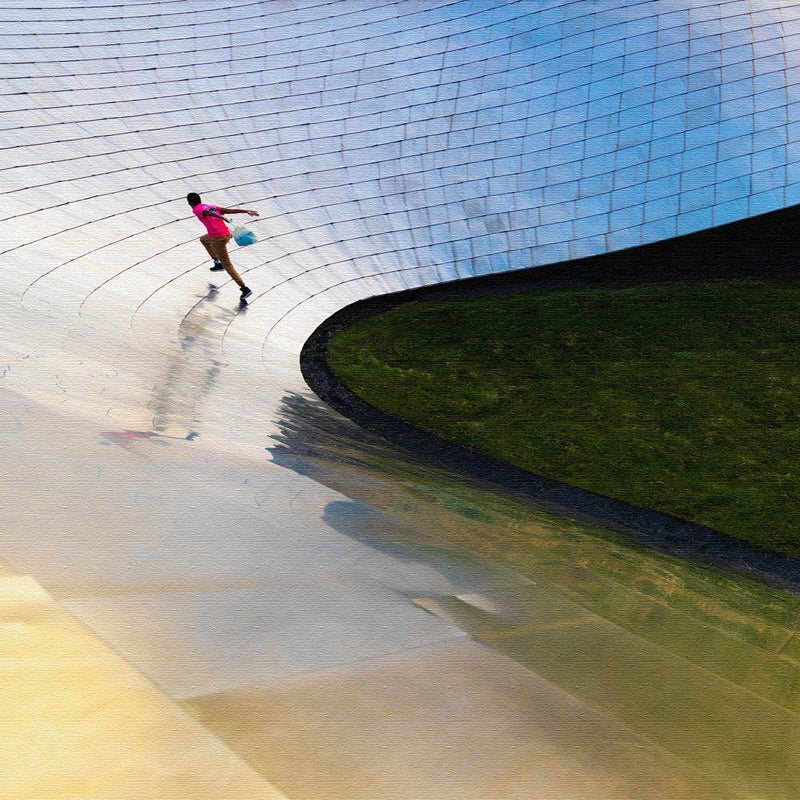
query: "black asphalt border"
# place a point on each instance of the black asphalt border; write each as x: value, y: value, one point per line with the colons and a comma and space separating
x: 764, y: 246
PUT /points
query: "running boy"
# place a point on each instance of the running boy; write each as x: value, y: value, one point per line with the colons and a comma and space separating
x: 218, y: 236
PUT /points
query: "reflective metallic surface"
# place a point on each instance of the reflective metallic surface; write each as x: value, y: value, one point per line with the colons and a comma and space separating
x: 216, y: 587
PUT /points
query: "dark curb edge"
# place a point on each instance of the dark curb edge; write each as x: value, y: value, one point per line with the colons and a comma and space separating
x: 763, y: 246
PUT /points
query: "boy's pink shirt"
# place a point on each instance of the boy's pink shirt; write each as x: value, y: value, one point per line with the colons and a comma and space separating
x: 214, y: 226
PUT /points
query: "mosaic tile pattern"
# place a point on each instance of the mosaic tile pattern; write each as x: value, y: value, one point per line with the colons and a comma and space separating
x: 387, y: 144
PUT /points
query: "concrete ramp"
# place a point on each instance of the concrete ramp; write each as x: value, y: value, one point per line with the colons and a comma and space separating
x: 78, y: 722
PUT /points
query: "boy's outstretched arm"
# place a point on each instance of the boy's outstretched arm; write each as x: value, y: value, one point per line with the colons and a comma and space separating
x: 239, y: 211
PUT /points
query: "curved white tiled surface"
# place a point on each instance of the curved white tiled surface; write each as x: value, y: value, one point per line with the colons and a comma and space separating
x: 404, y: 143
x: 387, y: 145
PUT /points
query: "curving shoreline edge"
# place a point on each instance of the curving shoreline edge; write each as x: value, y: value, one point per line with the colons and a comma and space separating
x: 760, y: 247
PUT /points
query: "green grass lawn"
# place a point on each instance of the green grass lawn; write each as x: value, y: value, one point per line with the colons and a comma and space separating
x: 682, y: 397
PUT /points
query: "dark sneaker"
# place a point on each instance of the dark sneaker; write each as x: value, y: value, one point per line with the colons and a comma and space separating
x: 217, y: 267
x: 246, y: 292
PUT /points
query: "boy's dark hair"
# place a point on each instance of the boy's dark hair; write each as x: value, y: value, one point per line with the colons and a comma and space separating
x: 193, y: 199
